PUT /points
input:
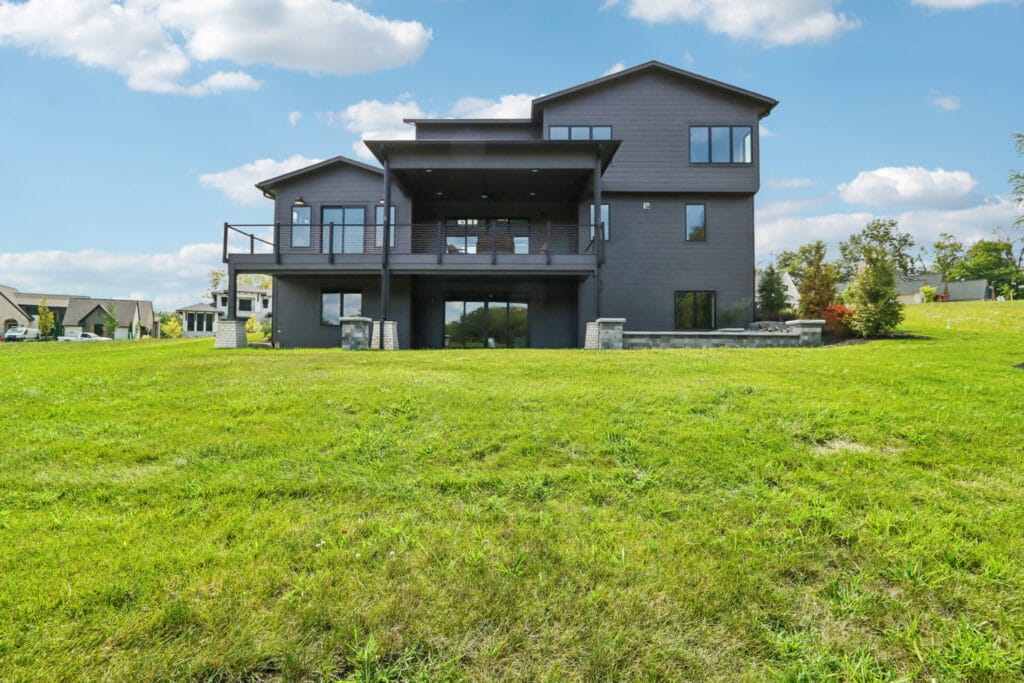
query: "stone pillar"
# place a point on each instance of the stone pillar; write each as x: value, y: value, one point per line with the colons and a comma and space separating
x: 591, y: 340
x: 230, y: 334
x: 609, y: 332
x: 355, y: 333
x: 389, y: 340
x: 810, y: 331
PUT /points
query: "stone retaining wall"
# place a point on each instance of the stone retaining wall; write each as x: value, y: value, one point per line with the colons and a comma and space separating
x: 608, y: 333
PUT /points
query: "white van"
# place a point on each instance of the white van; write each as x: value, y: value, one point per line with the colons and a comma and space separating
x: 21, y: 334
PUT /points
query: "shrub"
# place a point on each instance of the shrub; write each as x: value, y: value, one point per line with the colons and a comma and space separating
x: 876, y: 305
x: 837, y: 320
x: 771, y: 293
x: 267, y: 329
x: 171, y: 327
x: 928, y: 293
x: 251, y: 325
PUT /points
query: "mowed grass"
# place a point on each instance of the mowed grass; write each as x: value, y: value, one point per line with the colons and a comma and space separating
x: 170, y: 511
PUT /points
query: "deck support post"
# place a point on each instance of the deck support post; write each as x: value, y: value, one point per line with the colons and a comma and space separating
x: 385, y: 270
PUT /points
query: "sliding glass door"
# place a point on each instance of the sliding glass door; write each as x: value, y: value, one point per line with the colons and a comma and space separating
x: 492, y: 324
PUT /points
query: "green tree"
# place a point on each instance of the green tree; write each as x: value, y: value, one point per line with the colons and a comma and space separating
x: 170, y: 326
x: 795, y: 262
x: 818, y: 283
x: 872, y: 294
x: 110, y: 321
x: 46, y: 322
x: 992, y: 260
x: 947, y: 251
x: 928, y: 293
x: 216, y: 277
x: 771, y: 292
x: 883, y: 233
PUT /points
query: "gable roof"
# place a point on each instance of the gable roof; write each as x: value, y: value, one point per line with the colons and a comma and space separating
x: 4, y: 291
x: 267, y: 186
x: 201, y: 308
x: 81, y: 307
x: 767, y: 103
x: 967, y: 290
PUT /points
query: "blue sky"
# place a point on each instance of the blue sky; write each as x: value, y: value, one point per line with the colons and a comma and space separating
x: 132, y: 130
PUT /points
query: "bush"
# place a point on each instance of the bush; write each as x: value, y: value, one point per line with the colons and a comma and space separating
x: 171, y: 327
x: 251, y: 325
x: 928, y: 293
x: 876, y: 305
x: 837, y: 321
x: 267, y: 329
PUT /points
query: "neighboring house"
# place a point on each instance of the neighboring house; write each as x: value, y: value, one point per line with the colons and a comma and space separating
x: 908, y: 289
x: 198, y: 320
x: 488, y: 237
x: 72, y: 313
x: 247, y: 302
x: 134, y: 318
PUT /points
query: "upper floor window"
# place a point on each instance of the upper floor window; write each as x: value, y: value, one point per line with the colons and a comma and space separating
x: 721, y: 144
x: 378, y: 222
x: 580, y: 133
x: 347, y: 224
x: 224, y: 302
x: 696, y: 225
x: 300, y: 226
x: 245, y: 305
x: 266, y: 303
x: 606, y: 214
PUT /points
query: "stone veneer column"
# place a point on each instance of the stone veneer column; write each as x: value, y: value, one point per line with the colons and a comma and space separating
x: 810, y: 331
x: 230, y: 334
x: 355, y: 333
x: 609, y: 332
x: 389, y: 338
x: 591, y: 340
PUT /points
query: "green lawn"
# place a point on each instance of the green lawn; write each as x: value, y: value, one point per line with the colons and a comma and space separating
x: 853, y: 512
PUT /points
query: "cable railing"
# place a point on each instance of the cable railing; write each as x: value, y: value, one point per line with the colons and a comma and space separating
x: 449, y: 241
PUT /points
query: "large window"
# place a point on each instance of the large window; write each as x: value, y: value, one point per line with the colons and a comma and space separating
x: 300, y: 226
x: 695, y: 310
x: 696, y: 224
x: 721, y: 144
x: 580, y: 133
x: 463, y: 234
x: 349, y: 225
x: 245, y: 305
x: 606, y: 218
x: 490, y: 324
x: 335, y: 305
x: 378, y: 223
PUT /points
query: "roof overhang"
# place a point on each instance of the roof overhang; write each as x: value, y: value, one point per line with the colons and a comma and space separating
x: 526, y: 170
x: 269, y: 187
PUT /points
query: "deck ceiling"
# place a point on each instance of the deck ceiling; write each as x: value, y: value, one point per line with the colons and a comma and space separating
x: 519, y: 185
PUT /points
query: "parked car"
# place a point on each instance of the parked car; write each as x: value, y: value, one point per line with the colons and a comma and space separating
x: 84, y: 336
x: 21, y: 334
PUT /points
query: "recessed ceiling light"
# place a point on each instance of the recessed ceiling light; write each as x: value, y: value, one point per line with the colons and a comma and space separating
x: 429, y: 170
x: 483, y: 196
x: 534, y: 170
x: 440, y: 193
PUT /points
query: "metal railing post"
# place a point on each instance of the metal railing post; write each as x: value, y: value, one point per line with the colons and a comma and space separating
x: 277, y: 242
x: 547, y: 244
x: 330, y: 241
x: 225, y: 254
x: 494, y: 242
x: 440, y: 242
x: 252, y: 243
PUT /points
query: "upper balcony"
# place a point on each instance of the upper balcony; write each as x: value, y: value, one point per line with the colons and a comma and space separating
x: 456, y: 246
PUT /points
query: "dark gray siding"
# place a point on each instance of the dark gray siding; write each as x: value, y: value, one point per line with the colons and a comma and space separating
x: 477, y: 131
x: 652, y: 113
x: 648, y: 258
x: 338, y: 186
x: 297, y: 308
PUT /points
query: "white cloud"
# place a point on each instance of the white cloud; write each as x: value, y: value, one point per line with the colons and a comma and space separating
x: 294, y: 117
x: 764, y: 132
x: 688, y: 60
x: 770, y: 22
x: 608, y: 4
x: 778, y: 227
x: 899, y: 186
x: 169, y: 280
x: 154, y: 44
x: 788, y: 183
x: 237, y: 184
x: 615, y: 68
x: 955, y: 4
x: 945, y: 102
x: 506, y: 107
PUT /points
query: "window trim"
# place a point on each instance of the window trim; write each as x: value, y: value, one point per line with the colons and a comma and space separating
x: 378, y: 226
x: 686, y: 221
x: 242, y: 309
x: 732, y: 151
x: 308, y: 226
x: 325, y: 228
x: 695, y: 292
x: 341, y: 310
x: 607, y: 223
x: 590, y: 131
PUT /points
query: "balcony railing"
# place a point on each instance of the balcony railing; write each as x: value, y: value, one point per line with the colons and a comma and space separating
x: 446, y: 241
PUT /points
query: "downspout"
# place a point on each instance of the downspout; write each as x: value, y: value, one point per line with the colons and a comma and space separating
x: 598, y: 237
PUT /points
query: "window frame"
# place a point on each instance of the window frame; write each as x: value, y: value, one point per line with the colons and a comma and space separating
x: 378, y: 226
x: 709, y: 160
x: 243, y: 309
x: 342, y: 293
x: 325, y: 236
x: 308, y: 226
x: 694, y: 293
x: 589, y: 128
x: 606, y: 211
x: 686, y: 222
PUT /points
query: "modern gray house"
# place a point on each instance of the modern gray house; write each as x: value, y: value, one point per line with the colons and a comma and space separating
x: 629, y: 196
